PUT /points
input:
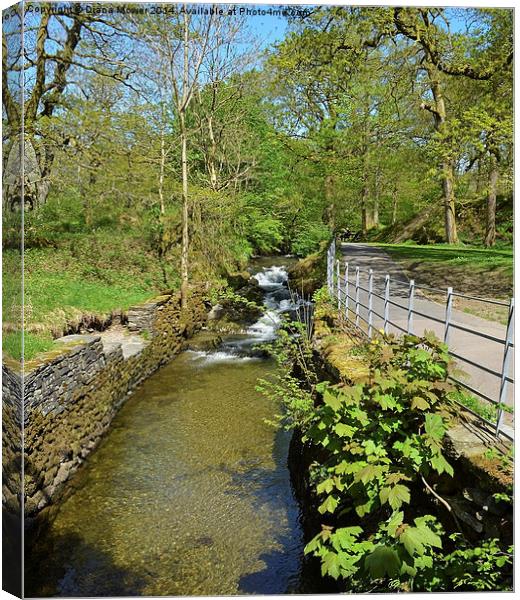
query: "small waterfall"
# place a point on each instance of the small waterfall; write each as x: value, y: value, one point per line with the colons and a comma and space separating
x: 277, y: 301
x: 207, y: 357
x: 272, y: 278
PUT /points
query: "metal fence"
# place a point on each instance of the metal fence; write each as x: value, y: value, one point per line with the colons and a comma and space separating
x: 393, y: 305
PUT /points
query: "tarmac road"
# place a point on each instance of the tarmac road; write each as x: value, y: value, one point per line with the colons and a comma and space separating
x: 485, y: 352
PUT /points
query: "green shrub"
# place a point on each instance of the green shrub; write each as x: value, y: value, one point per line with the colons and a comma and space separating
x: 308, y: 238
x: 378, y: 445
x: 265, y: 233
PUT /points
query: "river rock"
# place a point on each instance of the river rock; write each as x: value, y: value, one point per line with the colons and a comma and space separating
x: 216, y: 312
x: 252, y: 292
x: 63, y: 473
x: 238, y: 279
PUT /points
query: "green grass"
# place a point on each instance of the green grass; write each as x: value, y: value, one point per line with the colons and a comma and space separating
x: 46, y: 294
x: 33, y: 344
x: 485, y: 409
x: 470, y: 270
x: 90, y: 274
x: 458, y: 255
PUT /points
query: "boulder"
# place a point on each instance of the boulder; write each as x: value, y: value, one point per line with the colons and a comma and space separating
x: 216, y: 312
x: 238, y: 279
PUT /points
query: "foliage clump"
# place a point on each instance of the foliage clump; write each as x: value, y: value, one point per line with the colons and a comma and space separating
x: 379, y: 451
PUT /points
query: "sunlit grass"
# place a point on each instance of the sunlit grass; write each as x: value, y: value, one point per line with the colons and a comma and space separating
x: 85, y: 275
x: 454, y: 255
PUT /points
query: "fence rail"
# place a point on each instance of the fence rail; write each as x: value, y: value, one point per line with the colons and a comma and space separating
x: 355, y: 303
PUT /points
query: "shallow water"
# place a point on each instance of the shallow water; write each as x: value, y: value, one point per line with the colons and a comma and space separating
x: 189, y: 494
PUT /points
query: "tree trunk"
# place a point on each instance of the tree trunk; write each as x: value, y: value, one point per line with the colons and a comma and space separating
x: 394, y: 205
x: 330, y: 208
x: 85, y: 194
x: 490, y: 238
x: 365, y: 220
x: 478, y: 184
x: 182, y: 106
x: 447, y: 175
x: 212, y: 156
x: 185, y: 212
x: 375, y: 208
x: 450, y: 223
x: 161, y: 173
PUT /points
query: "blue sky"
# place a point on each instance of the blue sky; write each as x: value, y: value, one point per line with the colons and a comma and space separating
x: 273, y: 28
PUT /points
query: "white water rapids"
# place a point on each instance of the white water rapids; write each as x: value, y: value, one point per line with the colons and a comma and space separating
x: 277, y: 300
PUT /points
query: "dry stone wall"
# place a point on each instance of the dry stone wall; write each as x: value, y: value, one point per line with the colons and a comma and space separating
x: 72, y: 394
x: 11, y: 437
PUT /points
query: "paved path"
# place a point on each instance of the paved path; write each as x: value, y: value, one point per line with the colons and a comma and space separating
x: 483, y: 351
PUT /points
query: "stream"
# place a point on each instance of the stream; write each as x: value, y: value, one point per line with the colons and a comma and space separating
x: 189, y: 493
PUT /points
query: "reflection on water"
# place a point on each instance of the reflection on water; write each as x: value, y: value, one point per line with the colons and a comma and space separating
x: 189, y: 494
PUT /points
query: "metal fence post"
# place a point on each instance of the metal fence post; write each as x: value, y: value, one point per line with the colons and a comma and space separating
x: 338, y: 284
x: 329, y: 270
x: 346, y: 291
x: 447, y: 319
x: 357, y: 296
x: 387, y: 303
x: 411, y: 292
x: 505, y: 365
x: 370, y: 282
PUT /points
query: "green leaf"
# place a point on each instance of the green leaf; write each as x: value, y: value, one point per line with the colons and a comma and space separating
x: 422, y: 355
x: 383, y: 562
x: 348, y: 535
x: 360, y: 415
x: 363, y: 509
x: 416, y: 538
x: 344, y: 430
x: 398, y: 494
x: 411, y: 538
x: 395, y: 495
x: 387, y: 401
x: 420, y: 403
x: 325, y: 486
x: 393, y: 478
x: 441, y: 465
x: 429, y: 537
x: 368, y: 473
x: 331, y: 565
x: 395, y: 520
x: 329, y: 505
x: 332, y: 400
x: 313, y: 545
x: 345, y: 538
x: 322, y: 386
x: 423, y: 562
x: 434, y: 426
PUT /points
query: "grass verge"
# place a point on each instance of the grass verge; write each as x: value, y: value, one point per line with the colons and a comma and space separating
x: 480, y: 272
x: 86, y: 276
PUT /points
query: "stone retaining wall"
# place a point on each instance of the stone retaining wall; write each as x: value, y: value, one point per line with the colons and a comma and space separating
x: 72, y: 394
x: 11, y: 437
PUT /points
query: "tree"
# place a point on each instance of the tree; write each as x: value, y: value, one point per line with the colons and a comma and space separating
x: 55, y: 47
x: 445, y: 54
x: 218, y: 104
x: 181, y: 41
